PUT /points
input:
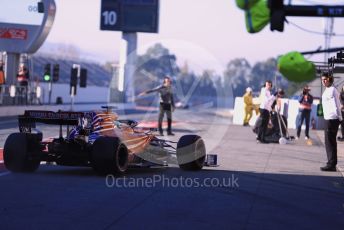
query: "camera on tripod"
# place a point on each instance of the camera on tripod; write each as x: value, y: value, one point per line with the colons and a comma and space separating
x: 340, y: 55
x: 338, y: 59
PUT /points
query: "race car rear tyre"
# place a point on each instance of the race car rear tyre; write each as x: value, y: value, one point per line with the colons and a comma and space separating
x: 191, y: 152
x: 109, y: 156
x: 19, y: 152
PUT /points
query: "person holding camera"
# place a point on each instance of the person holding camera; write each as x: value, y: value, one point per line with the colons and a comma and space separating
x: 333, y: 117
x: 305, y: 108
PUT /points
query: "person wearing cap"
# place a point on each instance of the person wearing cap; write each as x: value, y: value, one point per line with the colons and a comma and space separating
x: 341, y: 98
x: 248, y: 106
x: 305, y: 108
x: 333, y: 117
x: 166, y: 104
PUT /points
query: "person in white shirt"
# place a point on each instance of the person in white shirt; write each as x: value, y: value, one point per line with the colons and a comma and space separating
x: 332, y: 115
x: 341, y: 98
x: 265, y: 108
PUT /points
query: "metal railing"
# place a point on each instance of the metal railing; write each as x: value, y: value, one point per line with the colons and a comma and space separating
x: 21, y: 95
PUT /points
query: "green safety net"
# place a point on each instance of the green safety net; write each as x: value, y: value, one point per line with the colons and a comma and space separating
x: 296, y: 68
x: 245, y: 4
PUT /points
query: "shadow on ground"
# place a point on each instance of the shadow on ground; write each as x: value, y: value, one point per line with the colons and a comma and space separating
x: 170, y: 198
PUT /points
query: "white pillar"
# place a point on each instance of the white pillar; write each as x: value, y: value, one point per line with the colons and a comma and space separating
x: 127, y: 66
x: 11, y: 68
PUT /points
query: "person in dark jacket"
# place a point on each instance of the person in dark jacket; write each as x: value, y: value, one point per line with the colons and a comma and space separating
x: 166, y: 104
x: 305, y: 108
x: 341, y: 98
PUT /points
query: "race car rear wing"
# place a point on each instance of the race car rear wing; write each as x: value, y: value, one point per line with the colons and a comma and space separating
x: 30, y: 118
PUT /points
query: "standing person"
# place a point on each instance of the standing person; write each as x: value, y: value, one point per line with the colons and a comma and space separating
x: 248, y: 106
x: 281, y: 110
x: 23, y: 81
x: 166, y: 104
x: 267, y: 100
x: 341, y: 98
x: 305, y: 108
x: 277, y: 104
x: 332, y: 115
x: 37, y: 93
x: 2, y: 74
x: 2, y: 80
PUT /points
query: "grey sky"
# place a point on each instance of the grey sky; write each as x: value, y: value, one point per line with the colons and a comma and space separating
x: 206, y: 33
x: 20, y: 15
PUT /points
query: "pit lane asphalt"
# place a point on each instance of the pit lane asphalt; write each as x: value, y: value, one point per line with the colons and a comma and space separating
x: 279, y: 187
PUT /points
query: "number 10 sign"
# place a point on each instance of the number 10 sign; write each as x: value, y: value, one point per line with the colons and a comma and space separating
x: 130, y: 15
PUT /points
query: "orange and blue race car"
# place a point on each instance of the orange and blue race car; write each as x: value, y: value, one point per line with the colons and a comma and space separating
x: 97, y: 139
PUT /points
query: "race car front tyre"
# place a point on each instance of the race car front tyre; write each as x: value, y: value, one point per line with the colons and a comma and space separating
x: 19, y: 152
x: 109, y: 156
x: 191, y: 152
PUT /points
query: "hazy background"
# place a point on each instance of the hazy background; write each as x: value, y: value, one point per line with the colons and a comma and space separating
x: 205, y: 33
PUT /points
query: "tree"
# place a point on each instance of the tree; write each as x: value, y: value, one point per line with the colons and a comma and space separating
x: 236, y: 76
x: 261, y: 72
x: 156, y: 62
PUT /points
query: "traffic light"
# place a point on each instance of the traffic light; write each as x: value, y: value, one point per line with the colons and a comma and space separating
x: 40, y: 7
x: 83, y: 78
x: 277, y: 15
x: 56, y: 72
x: 74, y: 77
x: 73, y: 80
x: 47, y: 73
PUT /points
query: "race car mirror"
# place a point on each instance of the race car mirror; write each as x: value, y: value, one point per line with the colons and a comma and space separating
x: 23, y: 28
x: 130, y: 123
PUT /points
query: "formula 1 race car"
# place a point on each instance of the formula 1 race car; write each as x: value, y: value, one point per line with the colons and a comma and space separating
x: 97, y: 139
